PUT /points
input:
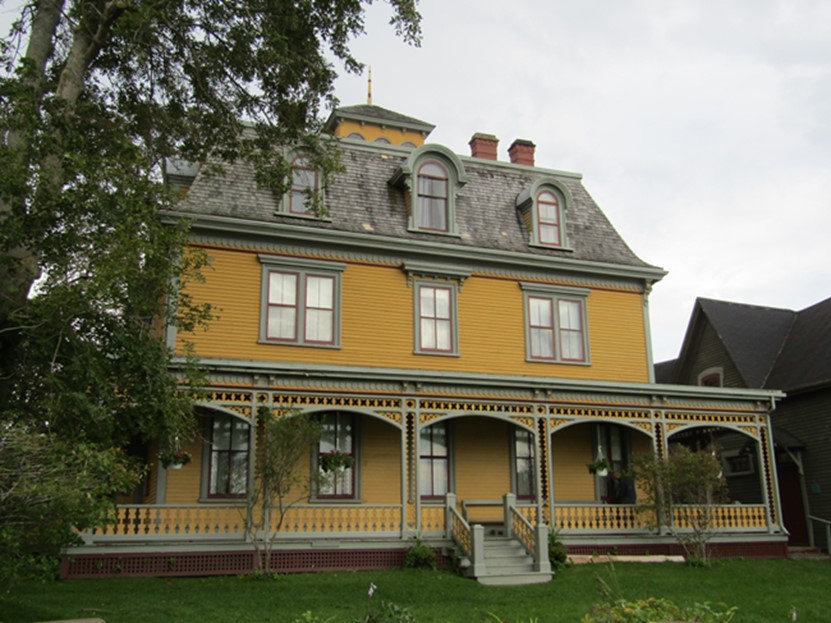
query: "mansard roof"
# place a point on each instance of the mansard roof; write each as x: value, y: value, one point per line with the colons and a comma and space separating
x: 360, y: 200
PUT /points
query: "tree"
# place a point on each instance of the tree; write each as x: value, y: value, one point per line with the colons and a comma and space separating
x: 42, y: 480
x: 95, y: 97
x: 681, y: 492
x: 280, y: 480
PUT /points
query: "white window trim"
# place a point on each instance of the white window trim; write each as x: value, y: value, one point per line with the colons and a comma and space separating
x: 303, y: 268
x: 556, y: 293
x: 452, y: 286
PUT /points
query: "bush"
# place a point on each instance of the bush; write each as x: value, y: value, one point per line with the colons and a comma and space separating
x: 557, y: 552
x: 420, y: 556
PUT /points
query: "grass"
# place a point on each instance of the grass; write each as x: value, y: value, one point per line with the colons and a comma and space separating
x: 763, y: 591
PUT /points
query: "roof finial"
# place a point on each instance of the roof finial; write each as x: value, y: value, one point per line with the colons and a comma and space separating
x: 369, y: 87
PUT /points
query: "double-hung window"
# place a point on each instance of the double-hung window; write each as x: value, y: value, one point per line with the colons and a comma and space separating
x: 305, y: 184
x: 228, y: 451
x: 555, y: 324
x: 432, y: 209
x: 337, y: 457
x: 548, y: 219
x: 435, y: 318
x: 523, y: 455
x: 300, y: 302
x: 434, y: 461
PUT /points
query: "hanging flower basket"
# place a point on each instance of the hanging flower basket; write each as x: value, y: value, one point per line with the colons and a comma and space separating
x: 599, y: 467
x: 334, y: 460
x: 175, y: 460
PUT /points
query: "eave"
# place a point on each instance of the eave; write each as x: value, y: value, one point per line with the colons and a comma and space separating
x: 655, y: 393
x: 282, y: 232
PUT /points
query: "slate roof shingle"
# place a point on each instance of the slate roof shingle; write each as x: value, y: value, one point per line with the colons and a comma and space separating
x: 361, y: 200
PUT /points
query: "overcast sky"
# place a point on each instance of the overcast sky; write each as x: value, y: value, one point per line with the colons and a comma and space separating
x: 702, y: 128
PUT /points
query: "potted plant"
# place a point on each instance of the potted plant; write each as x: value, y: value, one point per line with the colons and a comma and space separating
x: 600, y: 467
x: 334, y: 460
x: 175, y: 459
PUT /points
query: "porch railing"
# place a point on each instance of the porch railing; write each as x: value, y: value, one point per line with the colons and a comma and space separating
x: 628, y: 518
x: 164, y: 521
x: 533, y: 538
x: 149, y: 522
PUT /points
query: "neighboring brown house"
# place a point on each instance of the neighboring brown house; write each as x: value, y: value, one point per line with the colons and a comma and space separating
x: 735, y: 345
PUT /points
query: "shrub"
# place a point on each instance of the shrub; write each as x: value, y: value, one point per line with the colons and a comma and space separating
x: 420, y: 556
x: 557, y: 552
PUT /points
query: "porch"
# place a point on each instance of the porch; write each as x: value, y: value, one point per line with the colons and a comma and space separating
x: 193, y: 539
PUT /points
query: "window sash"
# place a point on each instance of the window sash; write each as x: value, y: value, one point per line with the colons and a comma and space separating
x: 524, y: 464
x: 434, y: 461
x: 548, y: 220
x: 304, y: 181
x: 229, y: 457
x: 337, y: 433
x: 435, y: 318
x: 301, y: 308
x: 432, y: 197
x: 555, y: 328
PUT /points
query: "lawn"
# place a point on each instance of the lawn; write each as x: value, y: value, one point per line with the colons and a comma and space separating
x: 763, y: 591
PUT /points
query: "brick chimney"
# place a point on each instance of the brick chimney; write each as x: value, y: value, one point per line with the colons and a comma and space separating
x: 521, y: 151
x: 483, y: 146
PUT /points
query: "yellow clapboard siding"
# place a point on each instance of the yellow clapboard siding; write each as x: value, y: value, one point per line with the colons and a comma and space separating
x: 183, y: 485
x: 380, y: 462
x: 482, y: 458
x: 571, y: 452
x: 377, y: 322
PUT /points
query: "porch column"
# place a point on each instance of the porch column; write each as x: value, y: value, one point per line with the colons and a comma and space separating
x: 770, y: 490
x: 539, y: 456
x: 508, y: 502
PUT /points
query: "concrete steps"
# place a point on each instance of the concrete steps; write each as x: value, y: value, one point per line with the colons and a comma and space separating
x: 507, y: 563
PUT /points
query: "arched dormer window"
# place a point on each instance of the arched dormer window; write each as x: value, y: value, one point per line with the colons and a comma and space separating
x: 543, y: 207
x: 548, y: 219
x: 305, y: 184
x: 432, y: 176
x: 432, y: 197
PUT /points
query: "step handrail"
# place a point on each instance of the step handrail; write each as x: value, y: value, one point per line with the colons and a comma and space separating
x: 827, y: 523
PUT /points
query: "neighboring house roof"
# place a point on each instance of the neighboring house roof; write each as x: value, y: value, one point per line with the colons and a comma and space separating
x: 360, y: 200
x: 665, y: 371
x: 805, y: 360
x: 752, y: 335
x: 772, y: 348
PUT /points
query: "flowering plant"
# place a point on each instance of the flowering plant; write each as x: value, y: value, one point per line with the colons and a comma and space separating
x: 175, y: 459
x: 600, y: 467
x: 334, y: 460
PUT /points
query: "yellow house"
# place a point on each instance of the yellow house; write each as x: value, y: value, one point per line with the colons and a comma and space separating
x: 471, y: 332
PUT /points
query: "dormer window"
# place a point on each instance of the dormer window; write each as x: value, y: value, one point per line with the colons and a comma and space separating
x: 431, y: 178
x: 432, y: 197
x: 548, y: 219
x: 304, y: 184
x: 543, y: 207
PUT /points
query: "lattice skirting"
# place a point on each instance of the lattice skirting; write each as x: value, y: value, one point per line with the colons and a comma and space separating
x: 170, y: 564
x: 744, y: 549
